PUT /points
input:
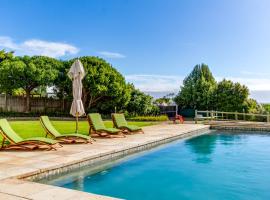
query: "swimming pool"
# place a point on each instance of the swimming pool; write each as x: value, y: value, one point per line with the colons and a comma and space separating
x: 218, y: 165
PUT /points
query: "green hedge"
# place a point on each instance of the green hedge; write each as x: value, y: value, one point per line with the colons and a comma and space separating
x: 150, y: 118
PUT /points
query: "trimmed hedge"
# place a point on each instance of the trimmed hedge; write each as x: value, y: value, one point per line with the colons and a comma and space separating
x: 150, y: 118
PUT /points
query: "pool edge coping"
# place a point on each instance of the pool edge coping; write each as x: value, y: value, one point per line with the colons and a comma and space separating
x: 113, y: 155
x: 104, y: 157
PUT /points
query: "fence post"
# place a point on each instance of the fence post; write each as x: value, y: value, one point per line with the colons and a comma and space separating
x: 236, y: 116
x: 45, y: 105
x: 268, y: 117
x: 63, y: 104
x: 211, y: 114
x: 6, y: 108
x: 196, y: 116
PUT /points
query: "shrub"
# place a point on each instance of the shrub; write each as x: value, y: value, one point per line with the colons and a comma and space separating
x: 150, y: 118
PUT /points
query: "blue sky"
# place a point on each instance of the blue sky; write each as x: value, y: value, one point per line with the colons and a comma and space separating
x: 154, y: 43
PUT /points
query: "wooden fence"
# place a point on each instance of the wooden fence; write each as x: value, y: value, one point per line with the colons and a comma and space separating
x: 37, y: 104
x: 217, y: 116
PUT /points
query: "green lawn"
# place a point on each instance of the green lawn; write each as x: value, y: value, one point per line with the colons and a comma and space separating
x: 33, y: 128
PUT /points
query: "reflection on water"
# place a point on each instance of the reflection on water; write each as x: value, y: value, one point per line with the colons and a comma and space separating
x: 78, y: 183
x: 230, y: 139
x: 204, y: 145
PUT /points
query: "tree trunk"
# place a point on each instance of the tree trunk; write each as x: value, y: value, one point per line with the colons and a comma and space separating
x: 28, y: 103
x: 90, y: 102
x: 63, y: 104
x: 84, y: 97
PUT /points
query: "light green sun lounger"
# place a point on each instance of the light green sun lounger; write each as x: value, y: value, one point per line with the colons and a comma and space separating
x: 97, y: 126
x: 120, y: 122
x: 11, y: 140
x: 62, y: 138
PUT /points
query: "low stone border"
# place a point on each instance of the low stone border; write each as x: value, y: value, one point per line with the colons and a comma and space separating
x: 235, y: 128
x: 108, y: 157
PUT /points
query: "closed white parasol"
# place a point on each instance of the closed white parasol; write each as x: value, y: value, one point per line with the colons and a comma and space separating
x: 76, y: 74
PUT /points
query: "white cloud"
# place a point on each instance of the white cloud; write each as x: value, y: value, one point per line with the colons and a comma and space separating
x: 38, y: 47
x: 258, y: 84
x: 7, y: 42
x: 257, y: 74
x: 108, y: 54
x: 155, y: 83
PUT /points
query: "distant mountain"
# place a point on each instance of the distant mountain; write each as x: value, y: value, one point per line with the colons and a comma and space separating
x: 260, y: 96
x: 159, y: 94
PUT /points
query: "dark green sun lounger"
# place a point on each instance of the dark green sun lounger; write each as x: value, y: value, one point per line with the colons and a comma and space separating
x: 120, y: 122
x: 62, y: 138
x: 97, y: 126
x: 11, y: 140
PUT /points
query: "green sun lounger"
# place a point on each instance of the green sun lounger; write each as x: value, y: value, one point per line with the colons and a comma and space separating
x: 120, y: 122
x: 62, y: 138
x: 97, y: 126
x: 11, y: 140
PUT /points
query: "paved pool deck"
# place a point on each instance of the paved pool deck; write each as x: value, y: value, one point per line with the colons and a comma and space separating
x: 18, y: 168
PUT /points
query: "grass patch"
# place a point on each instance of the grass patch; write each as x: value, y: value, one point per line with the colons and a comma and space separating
x: 28, y: 129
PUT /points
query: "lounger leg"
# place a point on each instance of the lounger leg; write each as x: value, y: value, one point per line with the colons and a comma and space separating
x: 3, y: 142
x: 89, y: 131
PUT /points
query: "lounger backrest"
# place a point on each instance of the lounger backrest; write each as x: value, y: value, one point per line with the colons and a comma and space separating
x: 96, y: 121
x: 119, y: 120
x: 48, y: 125
x: 9, y: 132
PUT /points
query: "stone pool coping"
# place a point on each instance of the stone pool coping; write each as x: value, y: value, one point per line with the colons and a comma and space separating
x: 17, y: 169
x: 239, y: 126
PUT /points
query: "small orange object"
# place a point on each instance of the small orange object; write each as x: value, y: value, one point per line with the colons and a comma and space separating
x: 178, y: 117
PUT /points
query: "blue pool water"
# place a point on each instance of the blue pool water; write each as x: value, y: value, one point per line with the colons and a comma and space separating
x: 218, y: 165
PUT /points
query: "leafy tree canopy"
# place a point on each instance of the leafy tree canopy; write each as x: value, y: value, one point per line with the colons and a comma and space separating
x: 200, y: 91
x: 141, y: 103
x: 266, y: 107
x: 231, y: 96
x: 252, y: 106
x: 27, y: 73
x: 104, y: 88
x: 5, y: 55
x: 197, y: 90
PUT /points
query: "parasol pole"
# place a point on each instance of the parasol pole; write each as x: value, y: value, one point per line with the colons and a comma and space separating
x: 77, y: 121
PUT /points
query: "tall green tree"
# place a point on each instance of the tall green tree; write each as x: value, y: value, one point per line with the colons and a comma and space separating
x: 266, y: 107
x: 62, y: 84
x: 252, y: 106
x: 27, y: 73
x: 198, y: 89
x: 231, y: 97
x: 141, y: 103
x: 5, y: 56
